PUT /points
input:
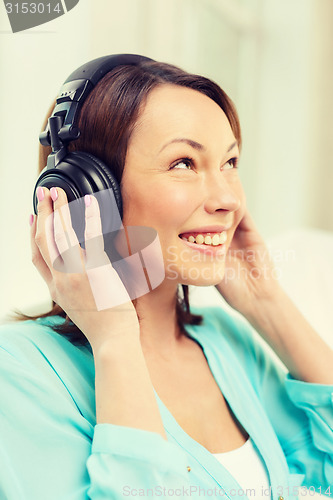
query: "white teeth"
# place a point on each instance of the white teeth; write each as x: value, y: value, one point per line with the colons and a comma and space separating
x: 217, y: 239
x: 223, y: 237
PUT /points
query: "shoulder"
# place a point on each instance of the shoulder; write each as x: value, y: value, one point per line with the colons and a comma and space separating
x: 17, y: 336
x: 12, y: 332
x: 36, y: 346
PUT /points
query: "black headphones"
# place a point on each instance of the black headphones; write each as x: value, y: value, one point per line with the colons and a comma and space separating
x: 79, y: 173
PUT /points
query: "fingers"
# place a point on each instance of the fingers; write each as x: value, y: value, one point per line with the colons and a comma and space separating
x: 56, y: 240
x: 246, y: 234
x: 247, y: 223
x: 93, y: 235
x: 106, y: 286
x: 44, y: 227
x: 57, y: 251
x: 37, y: 258
x: 66, y: 242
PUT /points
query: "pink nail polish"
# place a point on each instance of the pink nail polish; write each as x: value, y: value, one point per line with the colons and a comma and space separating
x: 87, y: 200
x: 40, y: 193
x: 31, y: 219
x: 54, y: 193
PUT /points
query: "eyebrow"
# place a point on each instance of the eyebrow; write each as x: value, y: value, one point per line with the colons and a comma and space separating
x: 194, y: 144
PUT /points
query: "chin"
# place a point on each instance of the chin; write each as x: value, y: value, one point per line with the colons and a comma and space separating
x: 203, y: 282
x: 209, y: 275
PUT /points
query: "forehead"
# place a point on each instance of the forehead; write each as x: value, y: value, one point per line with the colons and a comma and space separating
x: 173, y: 111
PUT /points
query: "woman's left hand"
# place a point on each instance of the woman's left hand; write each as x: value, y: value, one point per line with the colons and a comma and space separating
x: 250, y: 286
x: 249, y: 270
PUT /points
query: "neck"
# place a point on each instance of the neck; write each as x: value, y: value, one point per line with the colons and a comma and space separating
x: 159, y: 330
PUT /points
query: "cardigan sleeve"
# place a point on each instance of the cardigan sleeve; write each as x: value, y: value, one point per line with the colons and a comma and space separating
x: 301, y: 413
x: 49, y: 450
x: 126, y: 461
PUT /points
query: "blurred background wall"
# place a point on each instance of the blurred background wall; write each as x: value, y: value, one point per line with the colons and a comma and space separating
x: 274, y: 58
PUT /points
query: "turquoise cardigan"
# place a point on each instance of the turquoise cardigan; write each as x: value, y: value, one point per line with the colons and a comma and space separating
x: 52, y: 449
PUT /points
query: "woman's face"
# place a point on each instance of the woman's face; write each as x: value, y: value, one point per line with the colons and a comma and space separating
x: 179, y: 178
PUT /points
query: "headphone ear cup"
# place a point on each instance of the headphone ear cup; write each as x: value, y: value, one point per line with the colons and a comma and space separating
x: 80, y: 173
x: 92, y: 175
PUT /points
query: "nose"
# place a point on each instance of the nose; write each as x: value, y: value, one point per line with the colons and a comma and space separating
x: 222, y: 193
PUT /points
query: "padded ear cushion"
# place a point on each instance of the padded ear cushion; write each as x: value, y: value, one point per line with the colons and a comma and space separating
x: 95, y: 172
x: 80, y: 173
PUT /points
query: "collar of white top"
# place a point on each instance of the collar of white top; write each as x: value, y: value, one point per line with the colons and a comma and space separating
x: 224, y: 453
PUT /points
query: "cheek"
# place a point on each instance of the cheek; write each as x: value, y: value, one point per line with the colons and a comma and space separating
x: 157, y: 205
x: 170, y: 206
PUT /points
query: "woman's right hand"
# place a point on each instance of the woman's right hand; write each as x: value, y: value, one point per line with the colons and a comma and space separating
x: 82, y: 282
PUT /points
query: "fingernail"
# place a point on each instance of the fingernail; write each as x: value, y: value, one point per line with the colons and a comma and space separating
x: 87, y: 200
x: 54, y: 193
x: 31, y: 219
x: 40, y: 193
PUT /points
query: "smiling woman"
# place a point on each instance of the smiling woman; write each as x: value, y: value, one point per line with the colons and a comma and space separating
x: 145, y: 395
x: 180, y: 125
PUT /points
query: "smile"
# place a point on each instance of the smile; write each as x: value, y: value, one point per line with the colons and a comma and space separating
x: 209, y: 239
x: 213, y: 246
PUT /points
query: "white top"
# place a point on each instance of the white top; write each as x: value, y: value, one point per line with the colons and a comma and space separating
x: 247, y: 467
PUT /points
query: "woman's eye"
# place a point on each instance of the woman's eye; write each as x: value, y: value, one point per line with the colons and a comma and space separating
x: 232, y: 163
x: 183, y: 164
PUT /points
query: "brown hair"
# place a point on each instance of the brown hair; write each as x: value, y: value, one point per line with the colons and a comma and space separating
x: 106, y: 121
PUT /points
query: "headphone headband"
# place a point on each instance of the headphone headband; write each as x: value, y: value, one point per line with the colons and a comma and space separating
x: 72, y: 95
x: 96, y: 69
